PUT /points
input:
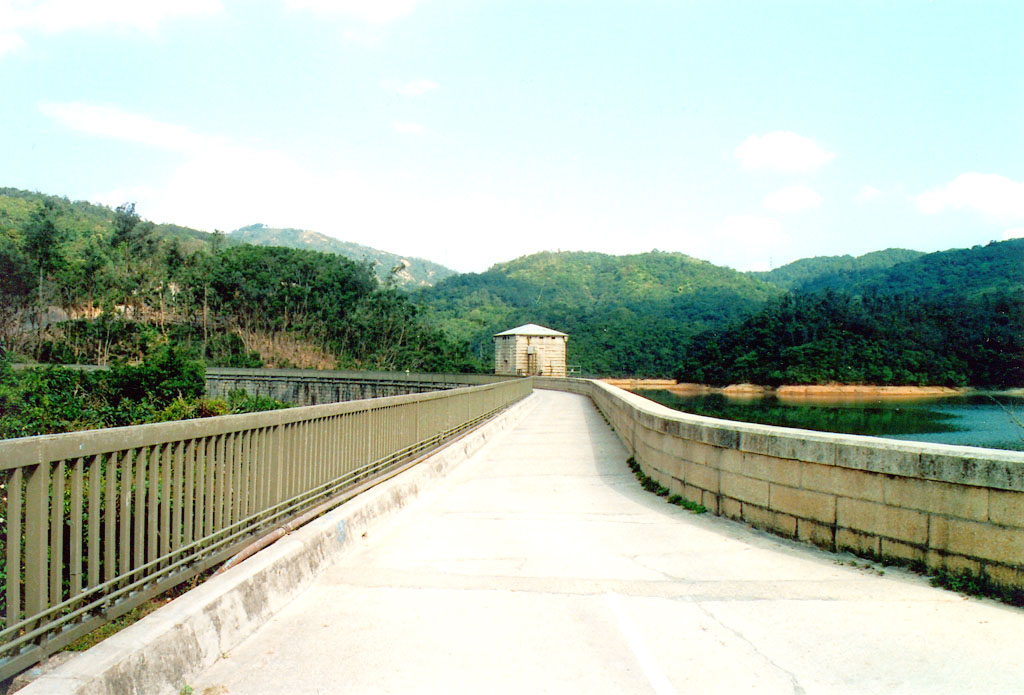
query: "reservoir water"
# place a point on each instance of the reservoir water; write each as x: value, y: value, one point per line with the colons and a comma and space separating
x: 987, y: 420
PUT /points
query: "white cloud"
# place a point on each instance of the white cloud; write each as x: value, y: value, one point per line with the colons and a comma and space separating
x: 375, y: 11
x: 222, y: 184
x: 414, y: 88
x: 408, y: 127
x: 1014, y: 233
x: 781, y: 151
x: 990, y: 194
x: 867, y: 194
x: 792, y: 199
x: 57, y: 16
x: 107, y: 121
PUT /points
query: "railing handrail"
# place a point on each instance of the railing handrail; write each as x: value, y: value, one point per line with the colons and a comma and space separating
x: 24, y: 451
x: 109, y: 518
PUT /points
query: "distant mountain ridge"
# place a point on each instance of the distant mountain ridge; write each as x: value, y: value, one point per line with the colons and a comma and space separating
x: 412, y: 272
x: 625, y: 314
x: 955, y: 273
x: 806, y: 272
x: 951, y: 275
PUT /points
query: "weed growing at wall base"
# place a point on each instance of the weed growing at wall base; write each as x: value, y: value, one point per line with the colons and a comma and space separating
x: 652, y: 485
x: 966, y: 582
x: 962, y: 581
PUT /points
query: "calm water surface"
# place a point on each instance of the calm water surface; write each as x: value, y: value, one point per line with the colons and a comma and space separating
x: 995, y: 421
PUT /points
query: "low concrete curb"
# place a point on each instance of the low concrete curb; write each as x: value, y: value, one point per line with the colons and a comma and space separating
x: 160, y: 653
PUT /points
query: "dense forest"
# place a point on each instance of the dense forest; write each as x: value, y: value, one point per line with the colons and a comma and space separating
x: 815, y: 338
x: 806, y: 272
x: 951, y: 318
x: 82, y: 283
x: 626, y: 315
x: 949, y: 275
x: 85, y: 284
x: 889, y: 317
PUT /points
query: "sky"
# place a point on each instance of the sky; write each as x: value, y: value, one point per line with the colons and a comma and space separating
x: 470, y: 132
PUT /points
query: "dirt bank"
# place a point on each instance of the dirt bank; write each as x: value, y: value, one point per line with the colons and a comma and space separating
x: 832, y: 390
x: 792, y: 391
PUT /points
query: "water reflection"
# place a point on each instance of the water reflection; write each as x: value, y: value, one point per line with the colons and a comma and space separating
x: 995, y: 421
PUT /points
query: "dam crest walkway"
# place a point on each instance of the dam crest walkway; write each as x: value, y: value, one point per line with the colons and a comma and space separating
x: 540, y: 565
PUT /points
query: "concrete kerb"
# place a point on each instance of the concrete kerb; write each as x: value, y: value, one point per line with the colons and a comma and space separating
x: 160, y: 653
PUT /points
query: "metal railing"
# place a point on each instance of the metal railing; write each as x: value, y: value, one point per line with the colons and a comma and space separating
x: 97, y: 522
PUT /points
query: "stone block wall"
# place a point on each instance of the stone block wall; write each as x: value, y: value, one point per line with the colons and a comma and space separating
x: 932, y: 506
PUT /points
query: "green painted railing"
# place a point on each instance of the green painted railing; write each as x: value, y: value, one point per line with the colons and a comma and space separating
x: 97, y: 522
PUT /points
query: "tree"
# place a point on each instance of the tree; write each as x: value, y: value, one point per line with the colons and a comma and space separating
x: 42, y: 245
x: 15, y: 293
x: 125, y: 222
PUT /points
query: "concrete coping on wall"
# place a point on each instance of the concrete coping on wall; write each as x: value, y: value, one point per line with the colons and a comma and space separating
x: 965, y: 465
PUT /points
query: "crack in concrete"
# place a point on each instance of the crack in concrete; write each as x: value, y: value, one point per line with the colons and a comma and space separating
x: 797, y: 688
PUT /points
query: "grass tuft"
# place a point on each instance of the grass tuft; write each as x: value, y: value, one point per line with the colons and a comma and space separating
x: 651, y: 485
x: 966, y: 582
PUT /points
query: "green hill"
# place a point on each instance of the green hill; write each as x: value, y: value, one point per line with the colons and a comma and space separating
x: 956, y: 273
x: 807, y: 272
x: 953, y: 318
x: 83, y: 283
x: 624, y: 314
x: 411, y: 272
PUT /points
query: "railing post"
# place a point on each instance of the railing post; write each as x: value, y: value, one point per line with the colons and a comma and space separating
x: 14, y: 516
x: 37, y: 493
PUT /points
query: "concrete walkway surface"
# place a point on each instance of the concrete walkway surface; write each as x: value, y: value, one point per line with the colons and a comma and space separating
x: 540, y: 566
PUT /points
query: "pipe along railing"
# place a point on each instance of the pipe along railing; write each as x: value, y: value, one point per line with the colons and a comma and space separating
x: 98, y: 522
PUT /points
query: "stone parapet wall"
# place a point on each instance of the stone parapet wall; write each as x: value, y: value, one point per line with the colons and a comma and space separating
x: 930, y: 506
x: 314, y: 387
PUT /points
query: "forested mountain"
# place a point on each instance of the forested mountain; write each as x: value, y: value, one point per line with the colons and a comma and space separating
x: 409, y: 272
x: 824, y: 337
x: 626, y: 315
x: 974, y: 272
x: 83, y: 283
x: 950, y: 318
x: 895, y: 317
x: 804, y: 273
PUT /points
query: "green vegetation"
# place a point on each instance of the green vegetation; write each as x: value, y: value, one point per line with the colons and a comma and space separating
x: 966, y: 582
x: 405, y: 271
x: 114, y: 626
x: 996, y: 268
x: 82, y: 283
x: 873, y: 338
x: 651, y: 485
x: 806, y: 272
x: 85, y: 284
x: 165, y: 386
x: 626, y: 315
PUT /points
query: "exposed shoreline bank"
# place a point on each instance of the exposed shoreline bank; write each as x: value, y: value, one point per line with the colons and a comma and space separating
x: 802, y: 392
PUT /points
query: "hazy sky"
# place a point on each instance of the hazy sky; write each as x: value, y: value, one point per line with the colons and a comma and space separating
x: 748, y: 133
